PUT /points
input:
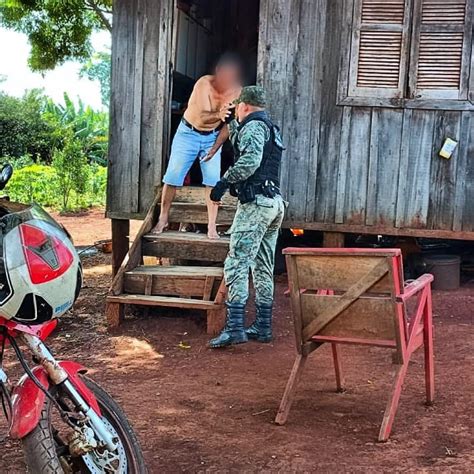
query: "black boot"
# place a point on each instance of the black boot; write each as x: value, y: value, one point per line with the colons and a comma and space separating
x: 233, y: 332
x: 261, y: 329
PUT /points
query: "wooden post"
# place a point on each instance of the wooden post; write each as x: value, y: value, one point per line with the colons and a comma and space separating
x: 290, y: 389
x: 338, y: 368
x: 428, y: 343
x: 216, y: 317
x: 333, y: 239
x: 115, y: 314
x: 120, y: 243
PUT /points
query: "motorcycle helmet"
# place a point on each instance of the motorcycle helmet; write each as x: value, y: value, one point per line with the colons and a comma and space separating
x: 41, y: 274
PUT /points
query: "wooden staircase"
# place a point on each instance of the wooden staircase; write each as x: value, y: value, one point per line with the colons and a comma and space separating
x: 197, y: 286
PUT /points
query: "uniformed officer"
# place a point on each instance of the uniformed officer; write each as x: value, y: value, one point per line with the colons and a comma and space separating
x: 254, y: 179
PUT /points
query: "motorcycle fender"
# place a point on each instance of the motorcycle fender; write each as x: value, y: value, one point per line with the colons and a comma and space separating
x: 28, y: 400
x: 73, y: 370
x: 27, y: 404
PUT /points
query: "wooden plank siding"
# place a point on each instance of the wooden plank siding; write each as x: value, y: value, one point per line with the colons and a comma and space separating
x: 465, y: 212
x: 139, y: 106
x: 365, y: 169
x: 122, y: 189
x: 156, y: 97
x: 357, y: 168
x: 336, y: 33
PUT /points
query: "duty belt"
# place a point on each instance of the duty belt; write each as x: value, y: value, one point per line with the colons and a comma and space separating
x: 248, y: 191
x: 264, y: 189
x: 201, y: 132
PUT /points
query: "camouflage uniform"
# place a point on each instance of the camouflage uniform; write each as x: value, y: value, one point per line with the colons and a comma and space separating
x: 256, y: 224
x: 254, y: 232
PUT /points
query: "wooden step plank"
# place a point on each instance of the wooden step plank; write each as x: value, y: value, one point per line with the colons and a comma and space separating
x: 175, y: 271
x: 187, y: 237
x: 202, y: 207
x: 183, y: 212
x: 163, y: 301
x: 186, y: 246
x: 197, y: 195
x: 183, y: 281
x: 135, y: 284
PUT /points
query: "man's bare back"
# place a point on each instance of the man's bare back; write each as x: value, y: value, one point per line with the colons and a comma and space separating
x: 205, y: 103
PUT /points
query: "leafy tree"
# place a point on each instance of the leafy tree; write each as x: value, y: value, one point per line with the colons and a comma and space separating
x: 98, y: 69
x: 23, y: 129
x: 72, y: 170
x: 34, y: 125
x: 58, y: 30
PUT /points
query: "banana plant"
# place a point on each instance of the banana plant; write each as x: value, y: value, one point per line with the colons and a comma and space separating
x: 88, y: 126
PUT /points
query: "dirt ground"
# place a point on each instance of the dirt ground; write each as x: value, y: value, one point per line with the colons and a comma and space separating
x: 91, y: 226
x: 197, y: 410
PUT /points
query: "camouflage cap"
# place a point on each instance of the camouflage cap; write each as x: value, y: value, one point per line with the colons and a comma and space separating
x: 253, y: 95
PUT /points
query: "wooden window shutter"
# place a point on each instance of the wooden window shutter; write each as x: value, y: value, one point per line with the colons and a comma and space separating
x: 441, y: 49
x: 379, y: 52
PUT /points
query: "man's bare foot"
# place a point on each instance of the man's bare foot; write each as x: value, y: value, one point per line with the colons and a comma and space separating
x: 160, y: 227
x: 213, y: 234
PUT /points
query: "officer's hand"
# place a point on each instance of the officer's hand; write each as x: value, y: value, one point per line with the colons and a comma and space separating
x: 226, y: 112
x: 219, y: 190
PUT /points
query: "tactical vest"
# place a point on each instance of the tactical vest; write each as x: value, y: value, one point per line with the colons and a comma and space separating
x: 269, y: 169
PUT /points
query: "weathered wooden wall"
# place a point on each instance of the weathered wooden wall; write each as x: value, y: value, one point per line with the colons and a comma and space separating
x: 351, y: 169
x: 361, y: 169
x: 139, y: 106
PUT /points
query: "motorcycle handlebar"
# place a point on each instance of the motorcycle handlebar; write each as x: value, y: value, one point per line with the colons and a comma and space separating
x: 5, y: 175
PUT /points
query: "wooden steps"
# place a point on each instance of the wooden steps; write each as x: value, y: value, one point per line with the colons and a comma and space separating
x: 183, y: 281
x: 189, y: 205
x: 186, y: 246
x: 185, y: 212
x: 175, y: 286
x: 163, y: 301
x: 197, y: 195
x: 172, y: 270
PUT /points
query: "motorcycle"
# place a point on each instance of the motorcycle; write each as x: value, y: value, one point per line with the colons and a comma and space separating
x: 64, y: 420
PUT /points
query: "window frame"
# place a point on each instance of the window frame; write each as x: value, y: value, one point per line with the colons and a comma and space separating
x: 350, y: 96
x: 357, y: 27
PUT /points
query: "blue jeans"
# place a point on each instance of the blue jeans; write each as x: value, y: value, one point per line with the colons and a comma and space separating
x: 187, y: 146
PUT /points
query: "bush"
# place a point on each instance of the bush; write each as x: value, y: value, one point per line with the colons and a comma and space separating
x: 97, y: 185
x: 34, y: 183
x: 72, y: 171
x: 41, y: 184
x: 17, y: 163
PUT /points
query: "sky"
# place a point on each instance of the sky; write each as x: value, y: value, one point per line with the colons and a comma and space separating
x: 14, y: 51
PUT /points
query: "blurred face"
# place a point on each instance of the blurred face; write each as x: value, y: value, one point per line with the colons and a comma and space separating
x: 227, y: 76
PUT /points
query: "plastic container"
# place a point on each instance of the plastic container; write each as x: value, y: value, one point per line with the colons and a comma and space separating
x: 446, y: 270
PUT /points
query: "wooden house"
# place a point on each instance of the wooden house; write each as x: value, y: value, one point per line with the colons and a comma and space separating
x: 366, y: 92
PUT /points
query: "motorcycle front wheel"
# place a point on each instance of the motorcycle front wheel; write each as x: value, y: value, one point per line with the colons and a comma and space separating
x: 46, y: 447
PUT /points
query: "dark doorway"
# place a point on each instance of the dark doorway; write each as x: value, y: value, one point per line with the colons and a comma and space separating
x: 204, y: 29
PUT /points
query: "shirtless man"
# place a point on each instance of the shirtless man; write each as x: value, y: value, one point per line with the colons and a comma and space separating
x: 201, y: 134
